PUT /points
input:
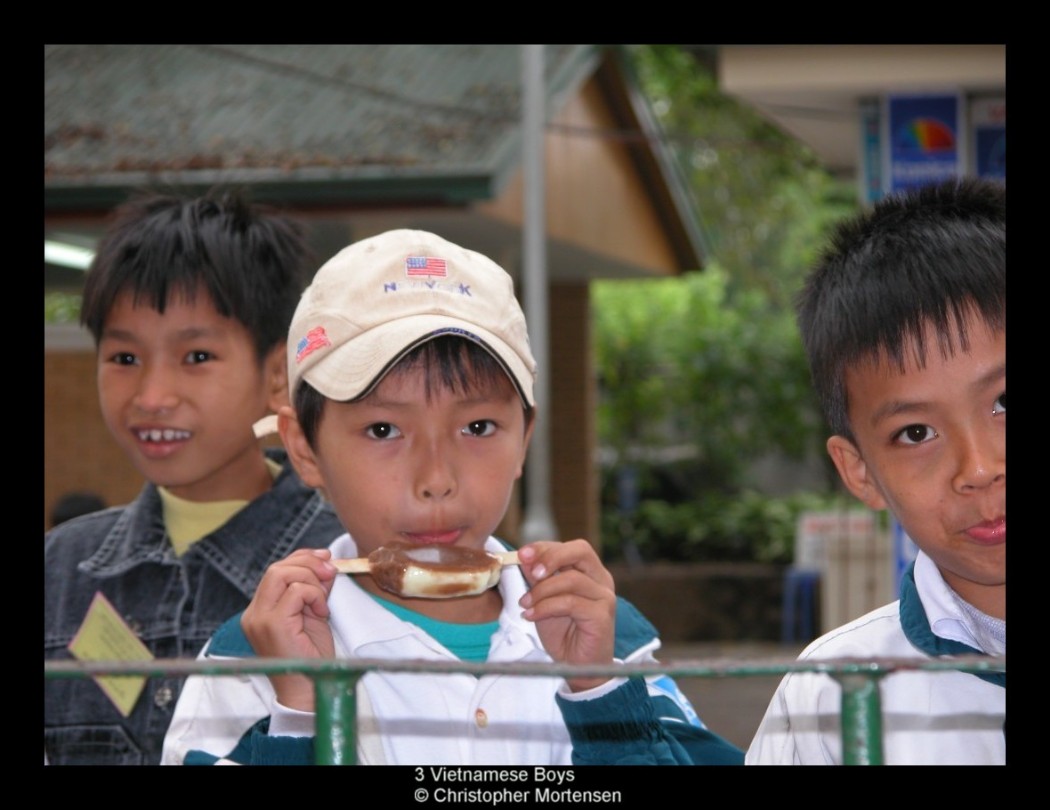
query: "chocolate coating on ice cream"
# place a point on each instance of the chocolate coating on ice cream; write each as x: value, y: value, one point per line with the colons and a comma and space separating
x: 434, y: 572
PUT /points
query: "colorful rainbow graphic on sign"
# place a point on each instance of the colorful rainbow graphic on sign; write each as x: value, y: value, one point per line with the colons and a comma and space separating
x: 925, y: 135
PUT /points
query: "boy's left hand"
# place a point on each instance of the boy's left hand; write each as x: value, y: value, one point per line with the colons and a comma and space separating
x: 573, y: 603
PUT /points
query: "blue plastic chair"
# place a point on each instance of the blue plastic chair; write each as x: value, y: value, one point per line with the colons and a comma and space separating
x: 797, y: 617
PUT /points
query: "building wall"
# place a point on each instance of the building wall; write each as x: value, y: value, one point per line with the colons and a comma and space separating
x: 79, y: 453
x: 574, y: 473
x: 814, y: 92
x: 574, y: 495
x: 595, y: 198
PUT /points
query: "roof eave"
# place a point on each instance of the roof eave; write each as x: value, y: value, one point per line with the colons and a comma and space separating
x: 663, y: 174
x: 304, y: 188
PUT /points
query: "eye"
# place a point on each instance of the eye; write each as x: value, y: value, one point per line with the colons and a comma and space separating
x: 1000, y: 404
x: 382, y: 430
x: 916, y: 434
x: 198, y: 356
x: 480, y: 427
x: 123, y: 359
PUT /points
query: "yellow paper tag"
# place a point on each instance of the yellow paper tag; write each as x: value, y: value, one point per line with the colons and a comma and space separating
x: 105, y: 636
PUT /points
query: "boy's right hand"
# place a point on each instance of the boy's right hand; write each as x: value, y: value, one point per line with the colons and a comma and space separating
x: 572, y: 600
x: 288, y: 618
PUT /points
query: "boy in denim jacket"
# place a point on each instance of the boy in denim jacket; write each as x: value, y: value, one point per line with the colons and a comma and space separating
x: 188, y: 301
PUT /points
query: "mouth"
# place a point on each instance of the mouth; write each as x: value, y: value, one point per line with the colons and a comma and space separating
x: 157, y: 443
x: 159, y: 435
x: 441, y: 537
x: 989, y: 532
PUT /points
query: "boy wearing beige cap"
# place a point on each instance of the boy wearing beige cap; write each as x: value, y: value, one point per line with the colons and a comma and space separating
x: 412, y: 379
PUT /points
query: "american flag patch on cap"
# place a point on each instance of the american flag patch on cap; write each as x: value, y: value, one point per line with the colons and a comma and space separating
x: 315, y: 339
x: 425, y: 266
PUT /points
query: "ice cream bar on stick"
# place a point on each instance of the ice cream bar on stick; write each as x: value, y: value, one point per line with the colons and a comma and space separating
x: 430, y: 571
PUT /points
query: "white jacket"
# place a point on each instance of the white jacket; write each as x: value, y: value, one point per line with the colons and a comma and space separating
x: 928, y: 718
x: 428, y: 718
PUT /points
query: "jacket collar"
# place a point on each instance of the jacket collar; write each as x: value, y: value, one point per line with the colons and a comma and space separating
x: 917, y: 629
x: 139, y: 538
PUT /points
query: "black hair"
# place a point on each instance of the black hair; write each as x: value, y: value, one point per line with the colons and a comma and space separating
x: 250, y: 260
x: 929, y: 257
x: 449, y: 363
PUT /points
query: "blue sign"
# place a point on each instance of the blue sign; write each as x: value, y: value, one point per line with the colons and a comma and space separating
x: 923, y: 132
x: 991, y: 152
x: 871, y: 151
x: 989, y: 136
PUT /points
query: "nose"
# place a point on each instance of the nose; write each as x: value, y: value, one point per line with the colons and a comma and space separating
x: 435, y: 472
x: 982, y: 461
x: 157, y: 391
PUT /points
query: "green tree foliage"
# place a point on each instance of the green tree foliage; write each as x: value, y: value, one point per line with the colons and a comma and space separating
x: 682, y: 361
x: 703, y: 374
x: 61, y: 307
x: 745, y: 526
x: 763, y: 198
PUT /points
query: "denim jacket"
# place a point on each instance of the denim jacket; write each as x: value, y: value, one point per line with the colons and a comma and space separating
x: 174, y: 604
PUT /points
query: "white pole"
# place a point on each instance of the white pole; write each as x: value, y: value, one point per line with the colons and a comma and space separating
x: 539, y: 518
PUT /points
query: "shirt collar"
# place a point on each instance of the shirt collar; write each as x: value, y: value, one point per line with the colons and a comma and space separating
x: 518, y: 638
x: 919, y: 617
x: 138, y: 537
x: 945, y: 617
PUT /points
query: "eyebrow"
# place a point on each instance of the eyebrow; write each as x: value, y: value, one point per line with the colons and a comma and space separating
x: 405, y: 403
x: 897, y: 407
x: 190, y: 333
x: 992, y: 376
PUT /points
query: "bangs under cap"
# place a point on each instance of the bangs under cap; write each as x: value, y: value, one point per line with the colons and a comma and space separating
x: 378, y: 299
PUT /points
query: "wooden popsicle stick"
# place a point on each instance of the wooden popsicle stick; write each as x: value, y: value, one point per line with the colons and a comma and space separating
x: 358, y: 565
x: 361, y: 565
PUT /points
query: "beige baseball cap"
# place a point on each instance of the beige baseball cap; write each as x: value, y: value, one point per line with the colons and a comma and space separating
x: 378, y: 299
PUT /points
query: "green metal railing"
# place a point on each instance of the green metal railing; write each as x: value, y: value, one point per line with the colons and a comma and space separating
x: 335, y: 682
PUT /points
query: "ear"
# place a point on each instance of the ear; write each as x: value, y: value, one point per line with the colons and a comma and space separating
x: 854, y: 472
x: 275, y: 371
x: 301, y: 454
x: 530, y: 425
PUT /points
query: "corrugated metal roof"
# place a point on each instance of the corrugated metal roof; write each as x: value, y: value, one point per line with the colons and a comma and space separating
x: 366, y: 126
x: 122, y: 113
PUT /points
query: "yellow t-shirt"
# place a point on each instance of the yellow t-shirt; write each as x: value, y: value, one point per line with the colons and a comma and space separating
x: 189, y: 521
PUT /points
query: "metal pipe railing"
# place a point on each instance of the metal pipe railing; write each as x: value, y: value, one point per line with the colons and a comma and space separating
x: 335, y: 681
